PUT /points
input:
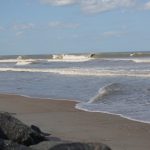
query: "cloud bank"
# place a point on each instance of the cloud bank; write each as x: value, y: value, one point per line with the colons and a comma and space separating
x: 98, y: 6
x: 59, y: 2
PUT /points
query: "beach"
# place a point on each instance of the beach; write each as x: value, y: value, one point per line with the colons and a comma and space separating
x: 75, y: 74
x: 61, y: 119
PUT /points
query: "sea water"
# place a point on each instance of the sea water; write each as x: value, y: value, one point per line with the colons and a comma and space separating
x: 117, y: 83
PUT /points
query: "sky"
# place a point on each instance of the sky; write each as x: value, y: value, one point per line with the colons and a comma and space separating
x: 73, y: 26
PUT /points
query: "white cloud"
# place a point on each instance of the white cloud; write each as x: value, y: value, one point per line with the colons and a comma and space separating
x: 118, y: 34
x: 23, y: 26
x: 147, y: 5
x: 59, y: 2
x: 97, y: 6
x: 63, y: 25
x: 94, y: 6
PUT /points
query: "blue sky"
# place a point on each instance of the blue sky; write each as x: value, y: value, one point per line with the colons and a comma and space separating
x: 73, y: 26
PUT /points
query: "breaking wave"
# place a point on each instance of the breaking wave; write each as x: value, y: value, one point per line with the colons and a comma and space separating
x: 83, y: 71
x: 24, y: 60
x: 71, y: 58
x: 111, y: 89
x: 135, y: 60
x: 144, y: 60
x: 8, y: 60
x: 21, y: 61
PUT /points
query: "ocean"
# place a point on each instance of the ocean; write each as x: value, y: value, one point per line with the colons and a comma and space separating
x: 115, y: 83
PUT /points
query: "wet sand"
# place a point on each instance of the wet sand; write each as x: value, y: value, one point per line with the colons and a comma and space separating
x: 61, y: 119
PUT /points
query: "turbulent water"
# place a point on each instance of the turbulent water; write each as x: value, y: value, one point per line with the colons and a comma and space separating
x: 117, y: 83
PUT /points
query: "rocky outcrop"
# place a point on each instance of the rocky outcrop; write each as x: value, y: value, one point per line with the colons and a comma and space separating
x: 80, y: 146
x: 15, y: 135
x: 16, y: 131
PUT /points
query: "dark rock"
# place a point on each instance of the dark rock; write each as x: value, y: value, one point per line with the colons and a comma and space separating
x: 15, y: 130
x: 80, y: 146
x: 9, y: 145
x: 2, y: 135
x: 46, y: 145
x: 37, y: 129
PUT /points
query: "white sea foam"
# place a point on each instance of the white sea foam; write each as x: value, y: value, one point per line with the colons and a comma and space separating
x: 29, y: 61
x: 73, y: 58
x: 144, y: 60
x: 83, y: 72
x: 135, y: 60
x: 79, y: 106
x: 70, y: 58
x: 8, y: 60
x: 20, y: 63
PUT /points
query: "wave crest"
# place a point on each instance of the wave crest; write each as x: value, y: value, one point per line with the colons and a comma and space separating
x: 111, y: 89
x: 71, y: 58
x: 21, y: 61
x: 82, y: 72
x: 144, y: 60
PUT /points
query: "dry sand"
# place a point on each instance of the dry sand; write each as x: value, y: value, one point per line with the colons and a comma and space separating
x: 61, y: 119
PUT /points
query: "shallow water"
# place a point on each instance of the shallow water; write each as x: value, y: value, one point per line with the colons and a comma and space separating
x: 112, y: 84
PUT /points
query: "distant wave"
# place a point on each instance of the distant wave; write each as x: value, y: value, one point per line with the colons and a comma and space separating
x: 135, y: 60
x: 83, y: 71
x: 70, y: 58
x: 121, y: 55
x: 107, y: 90
x: 144, y: 60
x: 22, y: 61
x: 134, y: 57
x: 8, y: 60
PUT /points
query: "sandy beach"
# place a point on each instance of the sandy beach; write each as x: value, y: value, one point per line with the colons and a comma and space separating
x: 62, y: 120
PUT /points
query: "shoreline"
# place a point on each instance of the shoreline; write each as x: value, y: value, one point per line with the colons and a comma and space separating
x: 119, y: 115
x: 61, y: 119
x: 75, y: 106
